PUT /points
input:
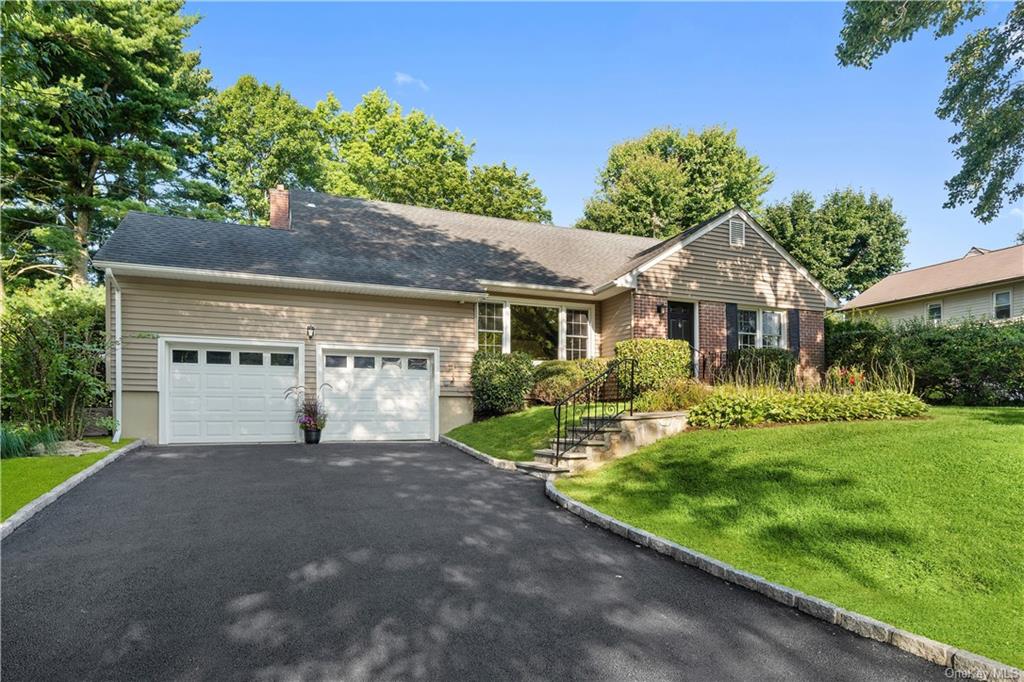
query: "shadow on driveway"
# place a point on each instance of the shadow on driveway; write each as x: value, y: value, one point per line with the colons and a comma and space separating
x: 367, y: 562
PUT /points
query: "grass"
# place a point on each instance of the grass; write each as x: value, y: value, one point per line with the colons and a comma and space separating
x: 512, y: 436
x: 23, y: 479
x: 917, y: 523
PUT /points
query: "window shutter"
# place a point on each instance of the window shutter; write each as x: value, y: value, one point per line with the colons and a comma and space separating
x: 793, y: 325
x: 732, y: 339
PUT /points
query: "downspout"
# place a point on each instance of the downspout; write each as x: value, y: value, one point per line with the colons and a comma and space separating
x: 118, y: 411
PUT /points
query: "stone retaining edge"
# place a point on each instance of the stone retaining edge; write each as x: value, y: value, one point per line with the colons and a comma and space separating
x: 46, y: 499
x: 963, y: 662
x: 506, y: 464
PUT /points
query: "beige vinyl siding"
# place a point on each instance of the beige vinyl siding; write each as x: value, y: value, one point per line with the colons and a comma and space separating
x: 615, y: 317
x: 155, y: 307
x: 709, y: 269
x: 960, y: 305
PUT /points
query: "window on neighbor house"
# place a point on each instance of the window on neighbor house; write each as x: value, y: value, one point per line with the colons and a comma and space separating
x: 935, y: 313
x: 1001, y: 301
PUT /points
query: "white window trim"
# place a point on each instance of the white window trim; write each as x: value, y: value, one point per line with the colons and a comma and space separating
x: 1009, y: 293
x: 927, y: 313
x: 323, y: 349
x: 562, y: 306
x: 759, y: 336
x: 163, y: 363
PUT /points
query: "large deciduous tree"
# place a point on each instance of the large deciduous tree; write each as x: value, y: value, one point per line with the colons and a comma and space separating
x: 849, y: 241
x: 100, y: 99
x: 502, y: 191
x: 984, y: 94
x: 667, y: 181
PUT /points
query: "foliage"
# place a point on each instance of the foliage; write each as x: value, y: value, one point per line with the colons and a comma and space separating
x: 675, y: 394
x: 556, y: 379
x: 108, y: 423
x: 984, y: 93
x: 744, y: 406
x: 848, y: 243
x: 761, y: 367
x: 23, y: 442
x: 501, y: 382
x: 666, y: 181
x: 311, y: 414
x: 511, y: 436
x: 53, y: 354
x: 970, y: 363
x: 262, y: 137
x: 100, y: 102
x: 658, y: 361
x: 860, y: 514
x: 502, y: 191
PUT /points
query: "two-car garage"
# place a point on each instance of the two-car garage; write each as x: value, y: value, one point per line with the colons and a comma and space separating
x: 235, y: 391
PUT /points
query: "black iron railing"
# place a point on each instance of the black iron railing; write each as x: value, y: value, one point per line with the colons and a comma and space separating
x: 594, y: 405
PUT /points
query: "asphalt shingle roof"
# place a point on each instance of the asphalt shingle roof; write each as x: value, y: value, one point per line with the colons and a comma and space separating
x: 374, y: 242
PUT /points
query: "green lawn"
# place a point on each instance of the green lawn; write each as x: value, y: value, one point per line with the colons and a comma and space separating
x: 918, y: 523
x: 23, y: 479
x: 513, y: 436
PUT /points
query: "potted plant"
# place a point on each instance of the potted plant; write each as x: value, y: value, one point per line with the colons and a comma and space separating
x: 311, y: 415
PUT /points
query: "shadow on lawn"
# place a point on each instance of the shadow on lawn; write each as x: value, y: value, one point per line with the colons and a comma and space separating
x: 1004, y: 416
x: 784, y: 506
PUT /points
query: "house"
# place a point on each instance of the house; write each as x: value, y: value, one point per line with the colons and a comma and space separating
x: 386, y: 304
x: 983, y: 284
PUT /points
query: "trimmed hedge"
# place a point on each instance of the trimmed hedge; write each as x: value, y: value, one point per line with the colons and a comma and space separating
x: 678, y: 394
x: 500, y: 382
x: 970, y: 363
x: 556, y: 379
x: 658, y: 361
x: 734, y: 406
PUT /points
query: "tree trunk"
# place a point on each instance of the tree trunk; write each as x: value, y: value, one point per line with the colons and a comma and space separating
x: 79, y: 273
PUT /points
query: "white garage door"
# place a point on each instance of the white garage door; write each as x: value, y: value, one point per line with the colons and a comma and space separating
x: 378, y: 396
x: 225, y: 394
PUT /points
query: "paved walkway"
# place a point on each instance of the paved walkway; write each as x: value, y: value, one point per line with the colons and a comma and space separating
x: 369, y: 562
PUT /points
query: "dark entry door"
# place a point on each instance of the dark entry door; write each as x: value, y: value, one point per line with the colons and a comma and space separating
x: 680, y: 321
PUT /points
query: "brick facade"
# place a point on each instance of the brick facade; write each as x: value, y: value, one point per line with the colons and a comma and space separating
x: 812, y: 345
x: 647, y: 323
x: 711, y: 320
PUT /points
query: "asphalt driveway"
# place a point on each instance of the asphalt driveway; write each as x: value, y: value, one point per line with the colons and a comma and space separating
x: 375, y: 562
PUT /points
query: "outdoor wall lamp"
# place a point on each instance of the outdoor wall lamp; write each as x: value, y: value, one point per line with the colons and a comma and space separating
x: 310, y: 332
x: 660, y: 309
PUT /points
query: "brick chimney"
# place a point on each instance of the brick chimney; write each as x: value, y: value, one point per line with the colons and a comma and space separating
x: 280, y: 210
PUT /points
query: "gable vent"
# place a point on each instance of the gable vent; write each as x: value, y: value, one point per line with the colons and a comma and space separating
x: 737, y: 232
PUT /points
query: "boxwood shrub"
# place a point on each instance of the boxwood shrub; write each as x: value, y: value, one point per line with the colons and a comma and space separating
x: 500, y: 382
x: 556, y: 379
x: 658, y: 361
x: 737, y: 406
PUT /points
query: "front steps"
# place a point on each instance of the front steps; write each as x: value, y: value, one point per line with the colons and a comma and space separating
x: 620, y: 437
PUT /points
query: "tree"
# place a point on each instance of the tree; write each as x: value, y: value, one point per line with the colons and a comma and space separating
x: 97, y: 99
x: 984, y: 94
x: 261, y: 137
x: 665, y: 182
x: 503, y: 192
x: 848, y: 243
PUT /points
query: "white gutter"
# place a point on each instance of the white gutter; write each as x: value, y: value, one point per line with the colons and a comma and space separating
x: 203, y: 275
x: 118, y: 409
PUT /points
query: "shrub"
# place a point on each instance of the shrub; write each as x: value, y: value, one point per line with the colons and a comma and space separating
x: 677, y: 394
x: 53, y: 352
x: 740, y: 406
x: 500, y: 382
x: 556, y: 379
x: 762, y: 367
x: 970, y: 363
x: 658, y: 361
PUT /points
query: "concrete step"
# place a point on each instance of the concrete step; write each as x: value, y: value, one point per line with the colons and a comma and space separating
x: 549, y: 454
x: 542, y: 470
x: 571, y: 442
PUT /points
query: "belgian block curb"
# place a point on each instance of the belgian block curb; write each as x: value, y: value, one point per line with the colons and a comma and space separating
x: 963, y: 663
x: 46, y: 499
x: 506, y: 464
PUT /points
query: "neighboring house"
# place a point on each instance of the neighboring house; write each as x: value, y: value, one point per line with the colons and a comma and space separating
x: 982, y: 285
x: 388, y: 303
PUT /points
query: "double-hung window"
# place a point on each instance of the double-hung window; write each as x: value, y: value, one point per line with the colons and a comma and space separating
x: 1001, y: 305
x: 935, y: 313
x: 544, y: 331
x: 761, y: 328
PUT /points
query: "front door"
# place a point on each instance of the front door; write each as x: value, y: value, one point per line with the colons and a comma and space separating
x: 680, y: 322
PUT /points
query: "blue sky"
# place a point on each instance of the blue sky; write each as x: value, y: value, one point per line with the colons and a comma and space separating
x: 550, y: 87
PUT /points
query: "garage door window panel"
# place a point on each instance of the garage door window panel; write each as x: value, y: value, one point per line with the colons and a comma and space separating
x: 185, y: 357
x: 250, y: 359
x: 218, y: 357
x: 282, y: 360
x: 336, y: 361
x: 364, y: 362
